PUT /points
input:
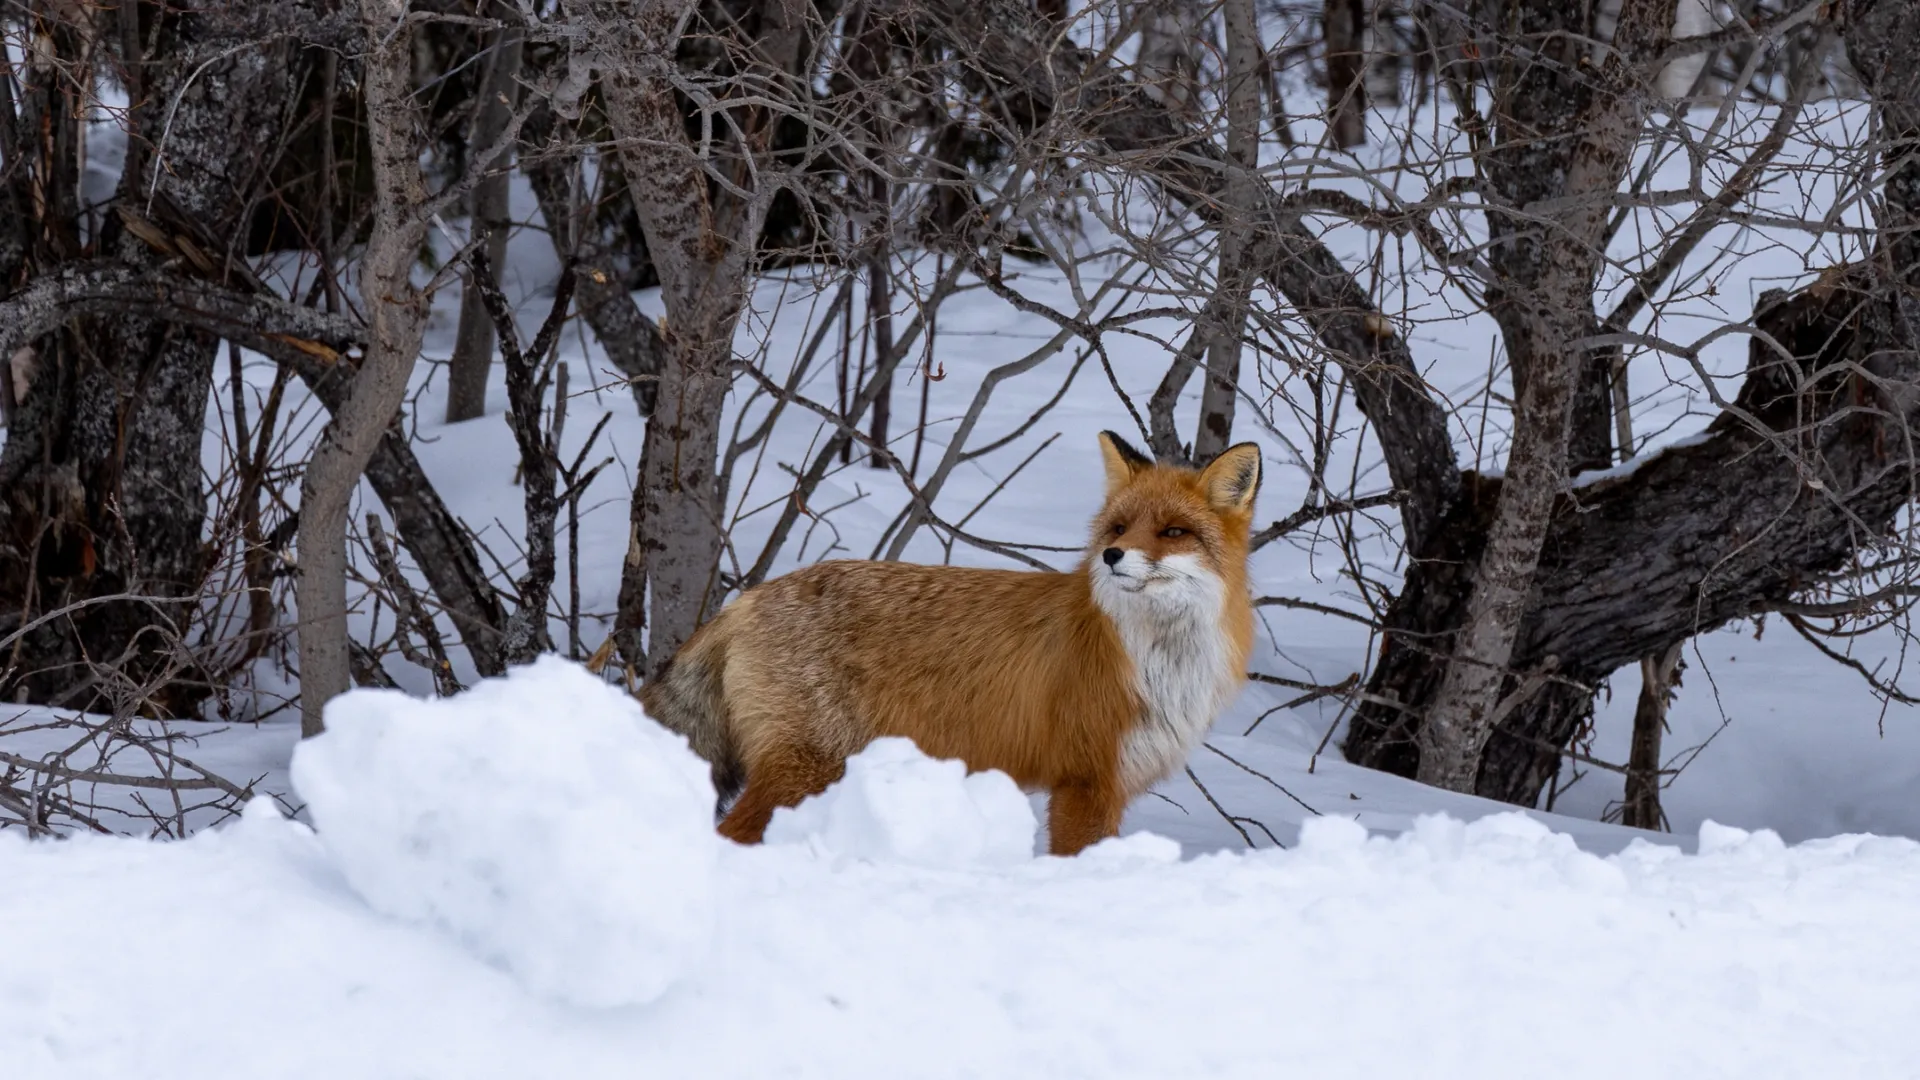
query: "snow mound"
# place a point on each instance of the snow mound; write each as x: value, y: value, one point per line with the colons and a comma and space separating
x: 541, y: 819
x: 896, y: 804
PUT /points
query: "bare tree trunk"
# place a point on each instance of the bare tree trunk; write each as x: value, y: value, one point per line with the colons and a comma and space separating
x: 258, y: 320
x: 397, y: 317
x: 473, y: 343
x: 880, y: 308
x: 487, y: 215
x: 702, y: 244
x: 1163, y: 436
x: 251, y: 461
x: 1218, y: 395
x: 1345, y: 23
x: 676, y: 515
x: 1464, y: 711
x: 869, y: 60
x: 526, y: 635
x: 1640, y: 806
x: 1543, y: 303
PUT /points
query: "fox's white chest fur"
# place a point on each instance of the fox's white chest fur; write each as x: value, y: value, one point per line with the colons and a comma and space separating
x: 1183, y: 662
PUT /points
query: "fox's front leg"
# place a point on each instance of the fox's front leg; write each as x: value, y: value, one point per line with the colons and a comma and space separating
x: 1083, y: 812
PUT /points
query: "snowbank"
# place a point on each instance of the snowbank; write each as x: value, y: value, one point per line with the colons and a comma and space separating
x: 522, y: 882
x: 898, y: 804
x: 542, y: 820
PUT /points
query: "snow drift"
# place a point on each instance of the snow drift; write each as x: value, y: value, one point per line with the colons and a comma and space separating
x: 897, y: 803
x: 523, y: 881
x: 542, y: 821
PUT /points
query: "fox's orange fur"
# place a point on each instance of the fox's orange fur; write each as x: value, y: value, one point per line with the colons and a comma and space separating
x: 1092, y: 685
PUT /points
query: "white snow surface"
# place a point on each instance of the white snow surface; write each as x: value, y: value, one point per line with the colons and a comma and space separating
x: 542, y: 821
x: 521, y: 881
x: 896, y: 803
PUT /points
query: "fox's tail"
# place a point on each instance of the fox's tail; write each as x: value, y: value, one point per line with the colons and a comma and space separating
x: 686, y: 697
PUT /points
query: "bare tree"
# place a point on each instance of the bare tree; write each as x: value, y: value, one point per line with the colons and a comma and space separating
x: 702, y: 209
x: 487, y: 213
x: 1219, y: 393
x: 1345, y: 25
x: 1640, y: 805
x: 396, y: 316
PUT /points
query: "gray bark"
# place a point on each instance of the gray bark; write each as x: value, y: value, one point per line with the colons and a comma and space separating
x: 487, y: 213
x: 437, y: 540
x: 702, y: 243
x: 1600, y: 602
x: 1222, y: 386
x: 396, y: 319
x: 1545, y: 272
x: 526, y: 633
x: 1808, y: 465
x: 311, y: 342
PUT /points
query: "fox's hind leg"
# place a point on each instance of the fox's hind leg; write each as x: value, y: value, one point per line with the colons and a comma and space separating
x: 781, y: 776
x: 1080, y: 813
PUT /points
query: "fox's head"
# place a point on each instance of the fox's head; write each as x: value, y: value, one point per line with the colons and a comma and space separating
x: 1169, y: 535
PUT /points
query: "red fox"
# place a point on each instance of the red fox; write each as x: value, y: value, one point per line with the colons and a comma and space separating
x: 1091, y: 685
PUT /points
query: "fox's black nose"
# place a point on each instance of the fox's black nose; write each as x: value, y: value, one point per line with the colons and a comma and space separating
x: 1113, y: 556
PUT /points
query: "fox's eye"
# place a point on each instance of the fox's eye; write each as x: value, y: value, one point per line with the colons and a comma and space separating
x: 1118, y: 528
x: 1172, y: 532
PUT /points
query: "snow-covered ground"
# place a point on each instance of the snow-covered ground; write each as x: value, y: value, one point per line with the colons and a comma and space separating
x: 523, y: 882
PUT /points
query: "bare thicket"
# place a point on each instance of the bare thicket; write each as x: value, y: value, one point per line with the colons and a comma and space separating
x: 1301, y: 208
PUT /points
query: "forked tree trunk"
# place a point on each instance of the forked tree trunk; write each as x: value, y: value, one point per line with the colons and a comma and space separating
x: 473, y: 345
x: 702, y: 244
x: 1544, y: 280
x: 880, y: 311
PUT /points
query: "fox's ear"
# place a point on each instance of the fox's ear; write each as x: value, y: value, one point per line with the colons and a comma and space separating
x: 1233, y: 479
x: 1123, y: 461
